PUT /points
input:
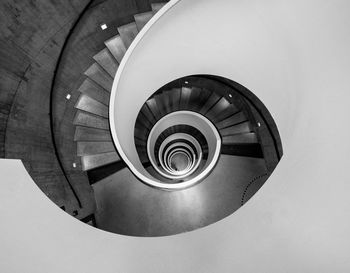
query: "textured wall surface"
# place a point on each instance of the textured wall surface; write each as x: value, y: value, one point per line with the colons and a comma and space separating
x: 32, y: 35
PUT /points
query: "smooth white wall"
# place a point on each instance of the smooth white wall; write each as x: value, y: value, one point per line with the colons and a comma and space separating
x: 294, y: 55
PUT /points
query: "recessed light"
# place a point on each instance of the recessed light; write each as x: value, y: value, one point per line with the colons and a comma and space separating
x: 74, y: 165
x: 68, y: 96
x: 230, y: 95
x: 103, y: 26
x: 259, y: 124
x: 186, y: 82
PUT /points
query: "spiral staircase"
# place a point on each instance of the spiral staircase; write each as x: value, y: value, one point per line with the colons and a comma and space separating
x: 172, y: 148
x: 189, y: 134
x: 94, y: 144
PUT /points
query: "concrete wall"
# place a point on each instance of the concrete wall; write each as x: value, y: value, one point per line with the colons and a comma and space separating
x: 32, y: 35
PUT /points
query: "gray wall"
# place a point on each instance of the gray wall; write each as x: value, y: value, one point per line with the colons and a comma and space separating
x: 32, y: 35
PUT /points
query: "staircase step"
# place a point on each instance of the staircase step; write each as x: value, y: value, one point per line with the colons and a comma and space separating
x: 222, y: 109
x: 141, y: 133
x: 90, y: 105
x: 117, y: 48
x: 175, y: 95
x: 210, y: 102
x: 246, y: 149
x: 106, y: 60
x: 240, y: 128
x: 157, y: 6
x: 195, y: 99
x: 100, y: 173
x: 143, y: 122
x: 90, y: 162
x: 228, y: 112
x: 96, y: 73
x: 94, y: 91
x: 166, y: 100
x: 152, y: 104
x: 241, y: 138
x: 141, y: 19
x: 144, y: 158
x: 231, y: 120
x: 141, y: 149
x: 202, y: 99
x: 160, y: 104
x: 140, y: 142
x: 128, y: 33
x: 185, y: 97
x: 148, y: 114
x: 91, y: 134
x: 89, y: 120
x: 93, y: 148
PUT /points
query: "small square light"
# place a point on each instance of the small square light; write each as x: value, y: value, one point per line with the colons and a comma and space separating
x: 68, y: 96
x: 186, y: 82
x: 103, y: 26
x: 259, y: 124
x: 230, y: 95
x: 74, y: 165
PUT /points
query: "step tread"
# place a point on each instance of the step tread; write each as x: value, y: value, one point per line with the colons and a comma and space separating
x: 166, y: 101
x: 231, y: 120
x: 106, y: 60
x: 195, y: 99
x: 210, y: 102
x: 140, y: 142
x: 141, y: 133
x: 96, y: 73
x: 91, y: 105
x: 241, y: 138
x: 91, y: 134
x: 141, y: 19
x: 185, y: 97
x: 94, y: 91
x: 88, y: 120
x: 143, y: 122
x: 93, y: 148
x: 90, y: 162
x: 128, y: 33
x: 161, y: 105
x: 148, y: 114
x: 152, y: 104
x: 245, y: 149
x: 240, y: 128
x: 175, y: 94
x: 157, y: 6
x: 222, y: 109
x: 116, y: 46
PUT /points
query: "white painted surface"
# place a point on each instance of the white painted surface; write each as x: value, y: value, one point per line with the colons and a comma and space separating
x: 189, y: 118
x: 295, y: 56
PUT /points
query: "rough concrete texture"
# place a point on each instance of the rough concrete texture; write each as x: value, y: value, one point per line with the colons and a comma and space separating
x: 32, y: 35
